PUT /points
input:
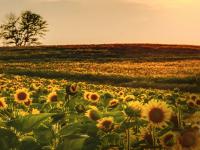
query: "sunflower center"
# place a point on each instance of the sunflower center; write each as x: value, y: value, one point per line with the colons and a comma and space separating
x: 191, y: 104
x: 106, y: 124
x: 21, y: 96
x: 193, y: 97
x: 27, y: 103
x: 94, y: 115
x: 156, y: 115
x: 1, y: 104
x: 73, y: 88
x: 94, y: 97
x: 188, y: 139
x: 54, y: 98
x: 198, y: 102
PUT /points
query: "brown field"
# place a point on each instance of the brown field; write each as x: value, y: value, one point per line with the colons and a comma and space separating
x: 134, y: 65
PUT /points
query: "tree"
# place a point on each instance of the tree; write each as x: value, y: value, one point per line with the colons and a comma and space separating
x: 23, y: 30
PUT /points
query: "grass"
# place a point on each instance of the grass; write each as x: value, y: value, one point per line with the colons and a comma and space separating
x: 128, y: 65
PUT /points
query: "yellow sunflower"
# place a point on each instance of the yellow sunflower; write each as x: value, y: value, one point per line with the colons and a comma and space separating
x: 188, y: 140
x: 86, y: 95
x: 28, y: 103
x: 121, y: 93
x: 35, y: 111
x: 168, y: 140
x: 134, y: 109
x: 157, y: 113
x: 191, y: 103
x: 22, y: 113
x: 193, y: 97
x: 93, y: 113
x: 22, y: 95
x: 146, y: 135
x: 3, y: 104
x: 73, y: 88
x: 94, y: 97
x: 113, y: 103
x: 106, y: 124
x: 52, y: 97
x: 193, y: 118
x: 129, y: 98
x: 197, y: 102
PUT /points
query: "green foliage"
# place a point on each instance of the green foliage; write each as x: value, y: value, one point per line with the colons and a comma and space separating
x: 29, y: 122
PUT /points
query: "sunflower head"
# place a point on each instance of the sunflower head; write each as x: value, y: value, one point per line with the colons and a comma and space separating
x: 80, y: 108
x: 113, y: 103
x: 146, y: 135
x: 86, y: 95
x: 72, y: 89
x: 35, y: 111
x: 52, y: 97
x: 129, y: 98
x: 168, y: 140
x: 193, y: 97
x: 134, y: 109
x: 157, y: 113
x: 105, y: 124
x: 93, y: 113
x: 28, y: 103
x: 191, y: 103
x: 94, y: 97
x: 121, y: 93
x: 189, y: 139
x: 197, y: 102
x: 3, y: 104
x: 22, y: 95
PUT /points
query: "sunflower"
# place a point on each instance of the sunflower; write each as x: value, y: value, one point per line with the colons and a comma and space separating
x: 134, y: 109
x: 189, y: 140
x: 28, y: 103
x: 197, y: 102
x: 72, y: 89
x: 121, y: 93
x: 106, y: 124
x: 168, y: 140
x: 146, y: 135
x: 191, y: 103
x: 22, y: 95
x: 94, y: 97
x: 35, y: 111
x: 113, y: 103
x: 52, y: 97
x: 86, y: 95
x: 3, y: 104
x: 22, y: 113
x: 129, y: 98
x: 157, y: 113
x: 93, y: 113
x: 195, y: 126
x: 193, y: 97
x: 193, y: 118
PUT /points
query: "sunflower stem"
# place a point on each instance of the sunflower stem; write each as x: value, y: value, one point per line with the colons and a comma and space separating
x: 154, y: 138
x: 179, y: 118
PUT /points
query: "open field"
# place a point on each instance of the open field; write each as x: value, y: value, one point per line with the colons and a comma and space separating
x: 132, y: 65
x: 106, y: 97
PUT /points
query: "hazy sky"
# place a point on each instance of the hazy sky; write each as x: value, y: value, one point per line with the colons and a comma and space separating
x: 114, y: 21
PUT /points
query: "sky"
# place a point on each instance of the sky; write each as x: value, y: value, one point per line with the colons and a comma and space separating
x: 114, y: 21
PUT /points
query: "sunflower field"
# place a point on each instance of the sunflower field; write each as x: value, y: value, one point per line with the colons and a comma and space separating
x: 49, y: 114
